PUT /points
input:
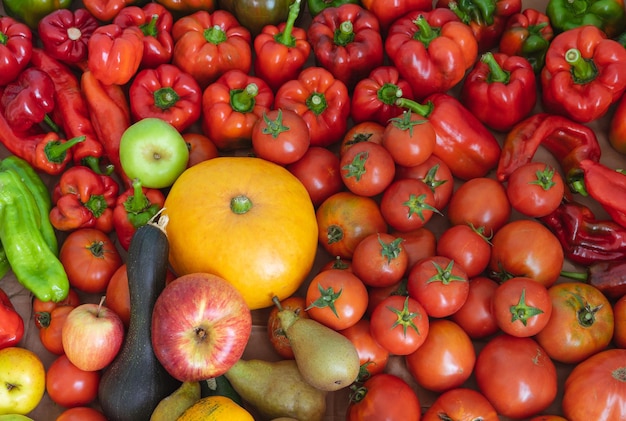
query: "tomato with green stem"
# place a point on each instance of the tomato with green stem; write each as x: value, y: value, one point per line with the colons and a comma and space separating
x: 51, y: 328
x: 367, y: 169
x: 380, y: 260
x: 365, y: 131
x: 408, y: 204
x: 280, y: 136
x: 535, y: 189
x: 68, y: 385
x: 400, y: 324
x: 436, y: 174
x: 468, y: 246
x: 409, y: 138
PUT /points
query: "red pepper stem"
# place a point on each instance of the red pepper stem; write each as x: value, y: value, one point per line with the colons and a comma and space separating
x: 583, y: 71
x: 425, y: 33
x: 138, y: 201
x: 56, y: 150
x: 285, y: 37
x: 344, y: 35
x: 149, y: 29
x: 165, y: 98
x: 496, y: 72
x: 242, y: 100
x: 422, y: 109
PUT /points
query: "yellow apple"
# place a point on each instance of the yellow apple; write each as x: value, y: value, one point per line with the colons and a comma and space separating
x: 22, y: 380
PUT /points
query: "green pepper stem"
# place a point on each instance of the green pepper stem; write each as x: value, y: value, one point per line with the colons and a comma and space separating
x: 215, y: 35
x: 344, y: 35
x: 422, y: 109
x: 496, y: 72
x: 138, y: 201
x: 579, y: 276
x: 55, y: 127
x: 286, y: 37
x: 165, y: 98
x: 242, y: 100
x: 57, y: 150
x: 149, y: 29
x: 425, y: 33
x: 389, y: 93
x: 316, y: 102
x: 583, y: 70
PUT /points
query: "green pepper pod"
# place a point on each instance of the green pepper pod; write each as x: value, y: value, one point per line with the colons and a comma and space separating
x: 30, y: 257
x: 4, y: 262
x: 32, y: 11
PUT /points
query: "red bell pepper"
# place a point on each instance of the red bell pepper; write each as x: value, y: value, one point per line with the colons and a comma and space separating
x: 321, y: 100
x: 11, y: 323
x: 388, y: 11
x: 115, y: 53
x: 83, y: 199
x: 155, y: 21
x: 374, y: 97
x: 617, y: 127
x: 206, y: 45
x: 167, y: 93
x: 65, y: 34
x: 106, y: 10
x: 500, y: 90
x: 527, y: 34
x: 431, y: 50
x: 463, y: 142
x: 16, y: 46
x: 607, y: 187
x: 28, y: 100
x: 346, y: 40
x: 134, y: 208
x: 487, y: 18
x: 231, y: 106
x: 281, y: 50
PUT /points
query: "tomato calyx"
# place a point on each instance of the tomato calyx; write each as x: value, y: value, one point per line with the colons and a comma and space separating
x: 522, y: 311
x: 334, y: 234
x: 503, y: 275
x: 357, y: 393
x: 327, y: 298
x: 586, y: 315
x: 417, y: 205
x: 405, y: 317
x: 274, y: 127
x: 405, y: 122
x: 445, y: 276
x: 356, y: 168
x: 619, y: 374
x: 545, y: 178
x: 42, y: 319
x: 390, y: 250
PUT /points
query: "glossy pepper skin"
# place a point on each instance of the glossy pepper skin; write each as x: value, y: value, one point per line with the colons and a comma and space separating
x: 606, y: 15
x: 346, y: 40
x: 387, y: 11
x: 32, y: 11
x: 617, y: 127
x: 16, y: 48
x: 206, y: 45
x: 281, y: 50
x: 255, y: 14
x: 462, y: 141
x: 83, y: 199
x: 106, y: 10
x: 134, y: 208
x: 317, y: 6
x: 607, y: 187
x: 11, y: 323
x: 609, y: 277
x: 231, y: 106
x: 321, y: 100
x: 584, y: 74
x: 431, y: 50
x: 568, y: 141
x: 65, y: 34
x: 188, y: 6
x: 155, y: 22
x: 500, y: 90
x: 527, y: 34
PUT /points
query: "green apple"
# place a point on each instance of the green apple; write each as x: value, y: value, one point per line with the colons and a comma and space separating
x: 153, y: 151
x: 15, y: 417
x: 22, y: 380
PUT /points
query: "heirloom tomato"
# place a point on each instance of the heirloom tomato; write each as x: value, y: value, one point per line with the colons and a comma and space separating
x: 380, y: 260
x: 367, y: 169
x: 318, y: 171
x: 436, y: 174
x: 383, y: 397
x: 372, y: 355
x: 467, y: 246
x: 619, y: 311
x: 400, y: 324
x: 407, y: 204
x: 476, y: 315
x: 68, y: 385
x: 461, y: 404
x: 275, y: 331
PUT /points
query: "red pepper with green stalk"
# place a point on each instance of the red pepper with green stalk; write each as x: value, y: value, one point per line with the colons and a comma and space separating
x: 584, y: 74
x: 83, y: 199
x: 16, y: 47
x: 500, y: 90
x: 168, y: 93
x: 527, y: 34
x: 281, y: 50
x: 231, y: 106
x: 322, y: 100
x: 431, y: 50
x: 155, y: 22
x: 346, y: 41
x: 11, y: 323
x: 134, y: 208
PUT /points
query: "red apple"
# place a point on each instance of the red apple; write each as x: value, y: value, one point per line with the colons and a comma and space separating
x: 92, y: 335
x: 200, y: 327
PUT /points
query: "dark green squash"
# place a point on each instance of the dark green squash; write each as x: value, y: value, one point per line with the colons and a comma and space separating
x: 135, y: 382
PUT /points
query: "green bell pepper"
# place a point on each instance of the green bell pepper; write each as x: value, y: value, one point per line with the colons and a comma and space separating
x: 316, y: 6
x: 607, y: 15
x: 31, y: 11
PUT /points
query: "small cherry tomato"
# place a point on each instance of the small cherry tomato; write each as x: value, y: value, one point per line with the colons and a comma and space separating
x: 535, y: 189
x: 476, y: 315
x: 372, y: 355
x: 280, y: 136
x: 365, y: 131
x: 436, y: 174
x: 367, y: 169
x: 409, y: 138
x: 379, y: 260
x: 68, y: 385
x: 467, y: 246
x: 318, y: 171
x: 461, y: 404
x: 407, y: 204
x: 384, y: 397
x: 400, y: 324
x: 201, y: 148
x: 275, y: 331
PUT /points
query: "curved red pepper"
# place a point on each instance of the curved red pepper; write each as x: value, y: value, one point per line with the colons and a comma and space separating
x: 388, y: 11
x: 607, y: 187
x: 500, y: 90
x: 16, y: 47
x: 321, y: 100
x: 11, y: 323
x: 115, y: 53
x: 168, y: 93
x: 584, y: 74
x: 346, y: 41
x: 106, y: 10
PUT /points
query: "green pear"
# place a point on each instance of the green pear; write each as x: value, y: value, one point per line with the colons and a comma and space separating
x: 172, y: 406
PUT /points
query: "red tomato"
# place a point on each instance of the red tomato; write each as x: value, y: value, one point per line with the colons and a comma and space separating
x: 535, y: 189
x: 619, y: 311
x: 51, y: 326
x: 480, y: 202
x: 90, y: 259
x: 201, y: 148
x: 338, y: 263
x: 526, y: 248
x: 69, y: 386
x: 476, y: 315
x: 461, y: 404
x: 384, y: 397
x: 439, y: 284
x: 275, y: 331
x: 516, y: 376
x: 409, y: 138
x: 407, y: 204
x: 596, y: 388
x: 380, y: 260
x: 336, y: 298
x: 280, y: 136
x: 42, y: 309
x: 367, y: 169
x: 467, y: 246
x: 418, y: 244
x: 318, y: 170
x: 581, y: 323
x: 376, y: 295
x: 344, y: 219
x: 435, y: 174
x: 365, y: 131
x: 548, y: 418
x: 446, y: 358
x: 81, y: 413
x: 522, y: 306
x: 400, y: 324
x: 372, y: 355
